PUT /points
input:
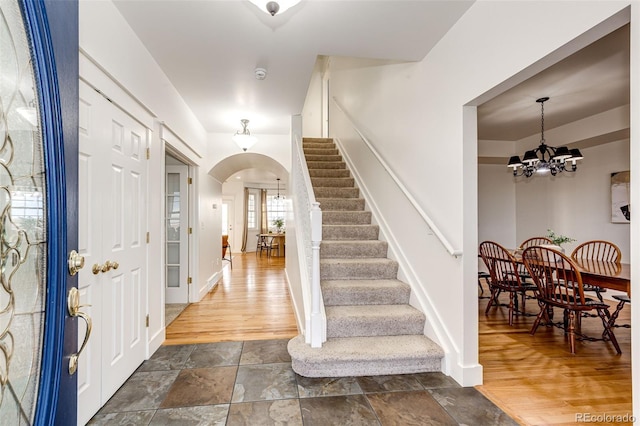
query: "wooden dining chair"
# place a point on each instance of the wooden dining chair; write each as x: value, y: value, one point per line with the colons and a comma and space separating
x: 597, y: 250
x: 530, y: 242
x: 535, y: 241
x: 504, y: 277
x: 560, y: 285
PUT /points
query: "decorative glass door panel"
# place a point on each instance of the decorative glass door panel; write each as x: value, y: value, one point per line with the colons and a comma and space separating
x: 22, y: 224
x: 177, y: 225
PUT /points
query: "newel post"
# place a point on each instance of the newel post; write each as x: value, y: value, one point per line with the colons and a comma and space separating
x: 316, y: 239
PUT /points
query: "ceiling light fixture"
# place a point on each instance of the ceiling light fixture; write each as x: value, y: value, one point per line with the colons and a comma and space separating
x: 272, y: 7
x: 545, y: 159
x: 244, y: 138
x: 278, y: 197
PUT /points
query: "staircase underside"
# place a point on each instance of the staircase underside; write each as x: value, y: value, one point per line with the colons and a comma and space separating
x: 371, y: 327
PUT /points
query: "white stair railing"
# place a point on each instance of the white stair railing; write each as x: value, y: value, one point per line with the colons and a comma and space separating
x: 309, y: 226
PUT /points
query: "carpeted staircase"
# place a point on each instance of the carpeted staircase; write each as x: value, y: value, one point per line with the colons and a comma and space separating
x: 371, y: 328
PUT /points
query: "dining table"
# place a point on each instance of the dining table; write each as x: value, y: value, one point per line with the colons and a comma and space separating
x: 605, y: 274
x: 277, y: 241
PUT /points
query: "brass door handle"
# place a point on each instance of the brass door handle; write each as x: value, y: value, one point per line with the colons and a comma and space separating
x: 73, y: 306
x: 96, y: 269
x: 108, y: 265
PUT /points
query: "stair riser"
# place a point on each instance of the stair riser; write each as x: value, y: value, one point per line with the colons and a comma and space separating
x: 363, y: 271
x: 326, y: 165
x: 323, y: 192
x: 346, y: 218
x: 330, y: 173
x: 366, y: 356
x: 355, y: 249
x: 333, y: 182
x: 350, y: 232
x: 364, y: 327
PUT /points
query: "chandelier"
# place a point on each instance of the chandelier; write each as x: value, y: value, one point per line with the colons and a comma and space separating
x: 545, y: 159
x: 244, y: 138
x: 272, y: 7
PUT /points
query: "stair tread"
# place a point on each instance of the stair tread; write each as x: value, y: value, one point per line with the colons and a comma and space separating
x: 358, y: 260
x: 350, y: 349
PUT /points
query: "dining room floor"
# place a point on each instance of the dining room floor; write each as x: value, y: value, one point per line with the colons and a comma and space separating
x: 252, y: 383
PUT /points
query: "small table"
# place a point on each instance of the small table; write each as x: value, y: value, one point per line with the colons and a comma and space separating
x: 275, y: 239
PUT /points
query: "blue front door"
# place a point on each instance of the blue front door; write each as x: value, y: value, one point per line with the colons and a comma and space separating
x: 38, y: 210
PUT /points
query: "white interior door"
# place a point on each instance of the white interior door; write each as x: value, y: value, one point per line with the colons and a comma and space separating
x: 228, y: 220
x: 177, y: 226
x: 112, y: 237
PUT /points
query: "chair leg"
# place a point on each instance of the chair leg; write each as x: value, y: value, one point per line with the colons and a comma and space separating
x: 614, y: 315
x: 536, y: 323
x: 492, y: 299
x: 608, y: 330
x: 572, y: 331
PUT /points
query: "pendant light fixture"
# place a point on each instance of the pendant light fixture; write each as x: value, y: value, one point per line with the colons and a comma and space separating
x: 545, y: 159
x: 243, y: 138
x: 278, y: 197
x: 273, y: 7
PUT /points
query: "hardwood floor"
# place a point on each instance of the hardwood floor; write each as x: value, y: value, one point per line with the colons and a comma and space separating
x: 251, y: 302
x: 537, y: 381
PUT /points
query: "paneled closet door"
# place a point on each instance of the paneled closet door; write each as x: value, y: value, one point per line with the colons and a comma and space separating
x: 113, y: 224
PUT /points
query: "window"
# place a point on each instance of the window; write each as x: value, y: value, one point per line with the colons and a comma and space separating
x: 275, y: 209
x: 251, y: 212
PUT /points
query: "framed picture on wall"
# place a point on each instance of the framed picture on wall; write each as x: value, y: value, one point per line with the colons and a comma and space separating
x: 620, y: 186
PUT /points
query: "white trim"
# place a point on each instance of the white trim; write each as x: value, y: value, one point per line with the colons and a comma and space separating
x: 301, y: 327
x: 104, y: 83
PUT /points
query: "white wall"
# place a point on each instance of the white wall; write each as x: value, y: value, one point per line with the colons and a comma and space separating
x: 414, y: 115
x: 312, y: 109
x: 497, y: 220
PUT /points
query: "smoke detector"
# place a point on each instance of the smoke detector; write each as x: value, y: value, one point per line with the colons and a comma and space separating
x: 261, y: 73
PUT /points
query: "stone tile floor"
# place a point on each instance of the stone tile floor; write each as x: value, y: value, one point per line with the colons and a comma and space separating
x: 252, y: 383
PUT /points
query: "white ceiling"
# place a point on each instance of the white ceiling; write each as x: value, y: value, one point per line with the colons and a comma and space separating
x: 591, y: 81
x: 209, y: 49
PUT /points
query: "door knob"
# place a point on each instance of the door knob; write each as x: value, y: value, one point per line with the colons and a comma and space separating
x: 75, y: 262
x: 108, y: 265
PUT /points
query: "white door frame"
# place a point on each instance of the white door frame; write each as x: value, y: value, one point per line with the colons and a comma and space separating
x: 169, y: 147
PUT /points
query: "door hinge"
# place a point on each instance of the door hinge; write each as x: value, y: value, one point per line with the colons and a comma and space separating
x: 147, y: 321
x: 189, y: 280
x: 148, y: 237
x: 190, y: 230
x: 190, y: 181
x: 148, y: 153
